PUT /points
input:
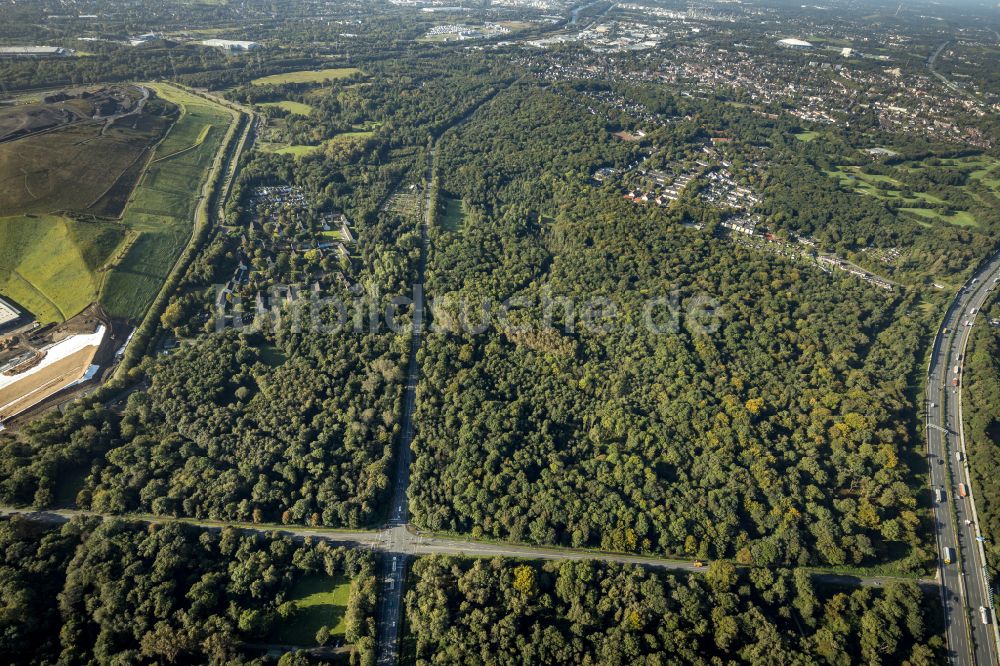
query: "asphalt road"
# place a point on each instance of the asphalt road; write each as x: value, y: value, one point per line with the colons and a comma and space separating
x: 404, y: 541
x: 964, y: 587
x: 395, y: 538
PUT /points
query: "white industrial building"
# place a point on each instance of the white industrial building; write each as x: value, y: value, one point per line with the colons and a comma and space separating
x: 8, y: 313
x: 231, y: 45
x: 792, y: 43
x: 34, y: 52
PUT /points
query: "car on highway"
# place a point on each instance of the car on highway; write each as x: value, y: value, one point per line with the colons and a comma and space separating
x: 984, y: 614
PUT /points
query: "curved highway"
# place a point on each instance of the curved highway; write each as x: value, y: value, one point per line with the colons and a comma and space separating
x: 965, y: 588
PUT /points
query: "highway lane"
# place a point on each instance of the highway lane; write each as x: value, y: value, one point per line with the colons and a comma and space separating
x: 395, y: 538
x: 964, y: 587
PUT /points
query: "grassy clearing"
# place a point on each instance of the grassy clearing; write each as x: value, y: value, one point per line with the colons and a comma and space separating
x: 807, y: 136
x: 285, y: 149
x: 322, y: 601
x: 307, y: 76
x: 517, y: 25
x: 851, y: 177
x: 273, y: 356
x: 160, y: 214
x: 452, y: 216
x: 50, y: 264
x: 303, y: 151
x: 297, y: 108
x: 356, y: 135
x: 959, y: 218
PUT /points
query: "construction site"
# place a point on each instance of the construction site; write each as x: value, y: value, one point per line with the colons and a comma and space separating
x: 43, y: 366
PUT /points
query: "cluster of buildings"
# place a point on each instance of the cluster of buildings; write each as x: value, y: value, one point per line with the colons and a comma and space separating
x: 462, y: 32
x: 839, y: 264
x: 287, y: 237
x: 888, y: 256
x: 837, y: 85
x: 723, y: 191
x: 661, y: 187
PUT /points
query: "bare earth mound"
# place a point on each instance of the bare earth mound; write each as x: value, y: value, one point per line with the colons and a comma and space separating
x: 56, y: 157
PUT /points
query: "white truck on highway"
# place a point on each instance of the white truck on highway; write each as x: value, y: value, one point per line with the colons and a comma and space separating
x: 948, y: 555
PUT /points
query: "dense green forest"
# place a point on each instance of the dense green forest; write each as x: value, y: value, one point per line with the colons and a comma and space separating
x: 118, y: 592
x: 505, y: 612
x: 304, y: 435
x: 981, y: 411
x: 779, y: 436
x: 628, y: 374
x: 300, y: 431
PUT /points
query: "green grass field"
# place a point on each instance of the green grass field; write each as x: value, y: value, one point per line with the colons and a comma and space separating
x: 983, y: 168
x: 959, y: 218
x: 285, y: 149
x: 452, y: 215
x: 322, y: 601
x: 298, y: 108
x: 851, y: 177
x: 306, y: 76
x: 161, y: 211
x: 302, y: 151
x: 806, y: 136
x: 51, y: 264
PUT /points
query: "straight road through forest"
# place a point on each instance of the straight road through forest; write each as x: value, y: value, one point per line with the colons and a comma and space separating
x: 395, y: 536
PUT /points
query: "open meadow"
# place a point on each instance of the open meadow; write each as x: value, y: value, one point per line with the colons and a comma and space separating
x: 322, y: 602
x: 955, y: 204
x: 297, y: 108
x: 160, y: 214
x: 51, y: 265
x: 307, y: 76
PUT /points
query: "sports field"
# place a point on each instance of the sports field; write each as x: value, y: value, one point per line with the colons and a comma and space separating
x: 160, y: 215
x: 51, y: 265
x: 307, y: 76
